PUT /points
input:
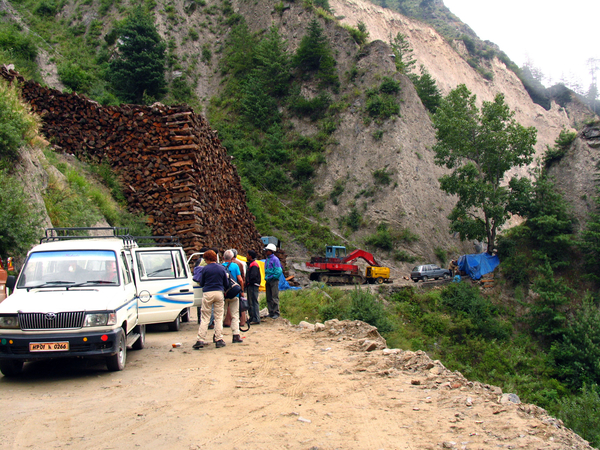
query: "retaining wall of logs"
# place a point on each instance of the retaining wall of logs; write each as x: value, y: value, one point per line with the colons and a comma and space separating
x: 172, y: 164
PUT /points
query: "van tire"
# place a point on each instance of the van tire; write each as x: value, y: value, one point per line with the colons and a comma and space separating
x: 11, y: 367
x: 141, y: 341
x: 174, y: 326
x: 116, y: 362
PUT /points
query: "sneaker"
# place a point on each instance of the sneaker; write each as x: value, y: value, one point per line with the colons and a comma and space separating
x: 237, y: 339
x: 211, y: 327
x: 254, y: 323
x: 275, y: 316
x: 198, y: 345
x: 220, y: 343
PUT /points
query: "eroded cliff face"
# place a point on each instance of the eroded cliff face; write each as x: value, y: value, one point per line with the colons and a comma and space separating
x: 445, y: 64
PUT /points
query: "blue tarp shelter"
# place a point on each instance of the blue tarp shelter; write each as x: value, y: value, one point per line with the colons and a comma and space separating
x: 477, y: 265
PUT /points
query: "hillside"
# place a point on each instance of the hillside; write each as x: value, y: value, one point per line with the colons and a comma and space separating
x: 344, y: 193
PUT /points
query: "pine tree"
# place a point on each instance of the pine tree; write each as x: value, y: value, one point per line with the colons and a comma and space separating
x: 314, y: 55
x: 405, y: 61
x: 139, y: 66
x: 427, y: 89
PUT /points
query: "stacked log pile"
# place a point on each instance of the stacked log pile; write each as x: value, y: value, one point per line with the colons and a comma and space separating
x: 171, y: 162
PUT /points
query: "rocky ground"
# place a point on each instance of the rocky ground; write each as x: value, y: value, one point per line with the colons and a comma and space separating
x: 331, y: 386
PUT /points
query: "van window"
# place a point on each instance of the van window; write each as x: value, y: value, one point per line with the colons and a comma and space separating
x: 156, y: 264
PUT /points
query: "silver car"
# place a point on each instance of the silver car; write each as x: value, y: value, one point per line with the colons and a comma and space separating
x: 428, y: 272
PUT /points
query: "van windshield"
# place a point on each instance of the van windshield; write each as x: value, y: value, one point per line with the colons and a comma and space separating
x: 69, y: 268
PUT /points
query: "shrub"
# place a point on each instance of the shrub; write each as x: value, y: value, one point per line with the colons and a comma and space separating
x: 382, y: 238
x: 365, y: 307
x: 389, y: 86
x: 377, y: 135
x: 441, y: 254
x: 17, y: 124
x: 474, y: 313
x: 382, y: 106
x: 74, y: 77
x: 314, y: 108
x: 382, y: 176
x: 403, y: 255
x: 359, y: 34
x: 353, y: 220
x: 20, y: 227
x: 581, y: 413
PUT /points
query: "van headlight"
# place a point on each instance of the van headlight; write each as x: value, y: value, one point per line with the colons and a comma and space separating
x: 9, y: 321
x: 100, y: 319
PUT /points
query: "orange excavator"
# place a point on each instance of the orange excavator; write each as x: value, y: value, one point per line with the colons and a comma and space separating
x: 336, y: 267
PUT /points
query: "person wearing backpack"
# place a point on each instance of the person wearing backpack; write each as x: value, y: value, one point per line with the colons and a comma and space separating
x: 214, y: 282
x: 253, y: 280
x: 233, y: 303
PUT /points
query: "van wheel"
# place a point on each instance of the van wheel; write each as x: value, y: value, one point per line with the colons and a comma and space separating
x: 174, y: 326
x: 11, y: 368
x: 141, y: 342
x: 116, y: 362
x: 185, y: 315
x: 425, y: 278
x: 446, y: 276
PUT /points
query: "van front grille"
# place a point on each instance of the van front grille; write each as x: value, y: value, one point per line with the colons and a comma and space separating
x: 51, y: 321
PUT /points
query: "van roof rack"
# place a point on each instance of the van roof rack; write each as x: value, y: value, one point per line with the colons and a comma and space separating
x: 69, y: 233
x: 66, y: 233
x: 157, y: 241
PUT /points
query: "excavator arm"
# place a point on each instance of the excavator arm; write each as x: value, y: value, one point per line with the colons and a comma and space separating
x: 368, y: 257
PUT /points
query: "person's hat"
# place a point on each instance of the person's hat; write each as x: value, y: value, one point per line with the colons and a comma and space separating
x: 271, y: 247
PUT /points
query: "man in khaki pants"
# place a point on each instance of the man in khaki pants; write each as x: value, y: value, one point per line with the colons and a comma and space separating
x: 214, y: 281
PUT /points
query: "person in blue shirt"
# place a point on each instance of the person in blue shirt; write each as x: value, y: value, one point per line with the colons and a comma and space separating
x: 233, y: 303
x: 273, y: 271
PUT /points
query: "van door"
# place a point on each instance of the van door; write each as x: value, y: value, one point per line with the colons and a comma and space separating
x: 192, y: 261
x: 164, y: 284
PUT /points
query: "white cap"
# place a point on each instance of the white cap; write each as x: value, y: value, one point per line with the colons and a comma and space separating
x: 271, y: 247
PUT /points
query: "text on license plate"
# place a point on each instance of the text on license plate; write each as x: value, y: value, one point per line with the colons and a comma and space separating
x: 48, y: 346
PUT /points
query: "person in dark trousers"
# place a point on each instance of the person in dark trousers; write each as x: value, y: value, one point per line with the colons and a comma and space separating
x: 214, y: 282
x: 273, y: 271
x: 253, y: 280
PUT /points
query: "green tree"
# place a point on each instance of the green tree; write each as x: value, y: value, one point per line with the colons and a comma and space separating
x: 138, y: 68
x: 403, y: 54
x: 427, y: 89
x: 314, y: 55
x: 548, y: 229
x: 576, y: 353
x: 479, y: 147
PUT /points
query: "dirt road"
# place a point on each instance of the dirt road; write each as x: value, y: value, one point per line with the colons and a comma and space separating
x: 284, y: 387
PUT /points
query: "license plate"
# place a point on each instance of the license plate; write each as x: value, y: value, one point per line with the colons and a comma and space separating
x: 48, y: 346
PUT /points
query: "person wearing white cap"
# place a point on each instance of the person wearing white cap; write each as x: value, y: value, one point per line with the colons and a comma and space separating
x: 273, y: 271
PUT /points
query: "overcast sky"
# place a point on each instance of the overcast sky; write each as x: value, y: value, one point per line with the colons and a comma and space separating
x: 557, y: 37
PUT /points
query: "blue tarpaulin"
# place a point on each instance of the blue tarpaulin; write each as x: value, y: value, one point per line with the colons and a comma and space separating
x: 478, y: 264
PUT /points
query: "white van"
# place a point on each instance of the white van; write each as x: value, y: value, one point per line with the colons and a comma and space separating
x: 79, y: 296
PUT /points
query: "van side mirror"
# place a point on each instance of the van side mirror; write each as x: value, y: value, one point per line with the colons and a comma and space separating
x: 11, y: 281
